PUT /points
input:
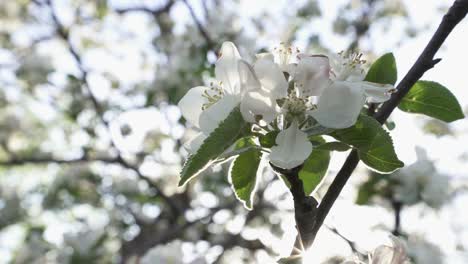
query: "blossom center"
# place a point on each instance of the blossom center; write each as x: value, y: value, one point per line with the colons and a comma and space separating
x: 213, y: 94
x: 284, y: 52
x: 295, y: 106
x: 348, y: 65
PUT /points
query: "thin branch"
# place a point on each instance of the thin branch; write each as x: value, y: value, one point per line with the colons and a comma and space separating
x: 155, y: 12
x: 46, y: 160
x: 397, y: 206
x: 63, y: 33
x: 351, y: 244
x: 425, y: 62
x: 199, y: 25
x: 305, y: 207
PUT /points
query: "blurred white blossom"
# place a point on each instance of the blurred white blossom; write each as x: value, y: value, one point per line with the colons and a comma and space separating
x: 170, y: 253
x: 420, y: 181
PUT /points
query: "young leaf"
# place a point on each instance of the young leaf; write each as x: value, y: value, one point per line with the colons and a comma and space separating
x: 333, y: 146
x: 374, y: 144
x: 243, y: 176
x: 315, y: 168
x: 383, y: 70
x: 215, y: 144
x: 432, y: 99
x: 269, y: 139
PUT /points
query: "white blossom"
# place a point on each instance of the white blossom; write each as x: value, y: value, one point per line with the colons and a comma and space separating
x: 170, y: 253
x: 341, y: 101
x: 420, y: 181
x: 238, y: 84
x: 422, y: 251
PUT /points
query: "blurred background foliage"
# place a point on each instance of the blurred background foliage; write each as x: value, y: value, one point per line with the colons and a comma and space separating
x: 91, y: 139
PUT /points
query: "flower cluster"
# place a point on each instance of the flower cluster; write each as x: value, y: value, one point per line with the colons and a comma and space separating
x: 421, y: 182
x: 284, y: 90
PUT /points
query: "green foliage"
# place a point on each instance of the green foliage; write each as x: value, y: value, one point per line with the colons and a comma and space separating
x: 374, y: 144
x: 432, y: 99
x: 333, y: 146
x: 315, y: 168
x: 214, y: 145
x: 243, y: 174
x: 383, y: 70
x: 268, y: 140
x: 290, y: 260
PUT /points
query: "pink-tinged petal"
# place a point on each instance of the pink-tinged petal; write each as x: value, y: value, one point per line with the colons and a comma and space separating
x: 191, y: 104
x: 390, y: 255
x: 226, y: 67
x: 339, y: 106
x: 312, y: 74
x: 292, y: 149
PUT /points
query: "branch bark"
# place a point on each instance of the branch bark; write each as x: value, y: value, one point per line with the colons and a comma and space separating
x: 305, y: 207
x: 424, y: 62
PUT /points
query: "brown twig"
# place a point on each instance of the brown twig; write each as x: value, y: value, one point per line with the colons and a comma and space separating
x: 425, y: 62
x: 199, y: 25
x: 45, y: 160
x: 305, y: 207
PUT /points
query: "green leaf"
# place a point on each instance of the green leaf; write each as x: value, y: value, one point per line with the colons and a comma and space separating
x: 214, y: 145
x: 290, y: 260
x: 374, y: 144
x: 333, y: 146
x: 317, y: 130
x: 432, y: 99
x: 383, y: 70
x: 269, y: 139
x: 315, y: 168
x: 243, y: 176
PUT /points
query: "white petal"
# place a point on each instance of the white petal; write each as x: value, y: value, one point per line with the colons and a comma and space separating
x: 292, y: 149
x: 421, y: 153
x: 339, y: 105
x: 312, y: 74
x: 247, y: 77
x: 375, y: 92
x: 211, y: 117
x: 271, y: 77
x: 265, y: 55
x: 382, y: 255
x: 194, y: 143
x: 226, y: 67
x: 191, y: 104
x: 258, y: 103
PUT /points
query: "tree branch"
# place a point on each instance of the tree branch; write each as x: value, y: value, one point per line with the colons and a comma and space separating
x: 397, y: 206
x: 351, y: 244
x: 305, y: 207
x: 45, y: 160
x: 199, y: 25
x: 424, y: 62
x: 155, y: 12
x: 63, y: 33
